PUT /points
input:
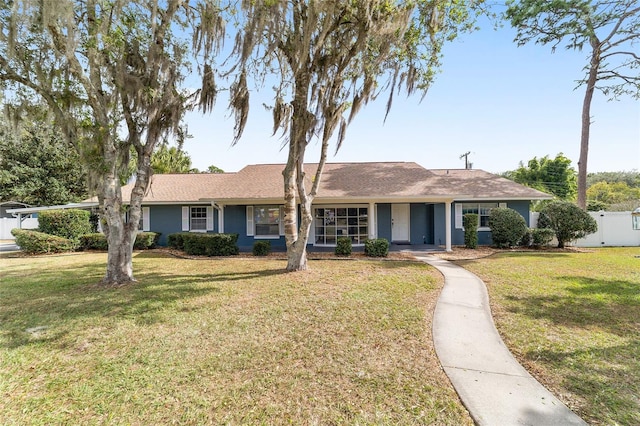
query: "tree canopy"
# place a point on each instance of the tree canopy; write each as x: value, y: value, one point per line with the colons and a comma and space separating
x: 610, y: 30
x: 112, y: 75
x: 36, y: 166
x: 553, y: 176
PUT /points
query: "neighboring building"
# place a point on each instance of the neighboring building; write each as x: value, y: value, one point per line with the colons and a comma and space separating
x: 402, y: 202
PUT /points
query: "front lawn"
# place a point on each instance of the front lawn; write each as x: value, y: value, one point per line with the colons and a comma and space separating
x: 573, y: 319
x: 220, y: 341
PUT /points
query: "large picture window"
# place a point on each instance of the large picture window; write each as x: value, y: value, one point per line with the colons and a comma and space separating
x: 334, y: 222
x: 267, y: 221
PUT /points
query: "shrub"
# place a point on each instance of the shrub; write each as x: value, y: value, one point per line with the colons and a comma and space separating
x: 98, y: 241
x: 176, y: 240
x: 568, y: 221
x: 70, y: 223
x: 527, y: 238
x: 541, y: 236
x: 343, y: 247
x: 94, y: 241
x: 210, y: 244
x: 507, y: 227
x: 35, y: 242
x: 378, y: 247
x: 261, y: 248
x: 146, y: 240
x: 470, y: 224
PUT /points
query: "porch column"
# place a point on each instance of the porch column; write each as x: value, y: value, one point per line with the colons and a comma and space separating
x: 221, y: 219
x: 373, y: 228
x: 447, y: 225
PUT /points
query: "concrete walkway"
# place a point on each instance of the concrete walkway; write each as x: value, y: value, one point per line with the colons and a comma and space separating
x: 493, y: 386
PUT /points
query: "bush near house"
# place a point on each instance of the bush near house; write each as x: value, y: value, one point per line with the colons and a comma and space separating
x: 34, y: 242
x: 541, y: 237
x: 377, y: 247
x: 68, y: 223
x: 98, y: 241
x: 261, y: 248
x: 507, y: 227
x: 197, y: 244
x: 176, y: 240
x: 470, y: 224
x: 343, y: 247
x: 568, y: 221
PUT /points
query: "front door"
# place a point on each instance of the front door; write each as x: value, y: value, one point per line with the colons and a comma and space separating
x: 400, y: 223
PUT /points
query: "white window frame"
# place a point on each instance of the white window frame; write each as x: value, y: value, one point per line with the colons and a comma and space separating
x: 252, y: 223
x: 187, y: 214
x: 362, y: 236
x: 476, y: 208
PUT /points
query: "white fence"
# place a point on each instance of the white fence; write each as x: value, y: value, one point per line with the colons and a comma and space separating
x: 614, y: 230
x: 8, y: 223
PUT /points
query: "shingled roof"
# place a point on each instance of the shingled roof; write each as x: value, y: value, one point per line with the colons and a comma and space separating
x: 340, y: 181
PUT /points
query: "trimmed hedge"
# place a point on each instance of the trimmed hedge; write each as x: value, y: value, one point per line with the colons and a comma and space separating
x: 541, y: 236
x: 199, y: 244
x: 343, y: 247
x: 470, y: 224
x: 378, y: 247
x: 146, y: 240
x: 507, y: 227
x: 95, y: 241
x: 261, y: 248
x: 35, y: 242
x: 98, y: 241
x: 70, y: 223
x: 176, y: 240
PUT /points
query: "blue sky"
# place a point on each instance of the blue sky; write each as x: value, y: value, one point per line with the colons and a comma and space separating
x: 503, y: 103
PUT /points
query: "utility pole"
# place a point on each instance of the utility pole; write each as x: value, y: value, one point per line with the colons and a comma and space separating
x: 467, y: 165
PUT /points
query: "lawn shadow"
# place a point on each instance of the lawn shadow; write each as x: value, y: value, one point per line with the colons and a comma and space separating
x: 610, y: 381
x: 57, y: 299
x: 613, y: 305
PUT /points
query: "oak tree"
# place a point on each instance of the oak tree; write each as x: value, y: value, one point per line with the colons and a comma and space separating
x: 111, y: 72
x: 330, y: 58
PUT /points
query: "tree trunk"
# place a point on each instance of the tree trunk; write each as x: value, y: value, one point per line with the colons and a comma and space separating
x: 586, y: 123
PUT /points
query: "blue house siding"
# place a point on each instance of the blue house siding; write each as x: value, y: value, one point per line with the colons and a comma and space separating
x: 427, y: 223
x: 167, y: 219
x: 384, y: 221
x: 235, y: 222
x: 484, y: 237
x: 418, y: 223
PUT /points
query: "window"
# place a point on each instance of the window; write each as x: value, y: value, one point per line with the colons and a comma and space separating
x: 197, y: 218
x: 635, y: 219
x: 483, y: 210
x: 267, y: 221
x: 334, y: 222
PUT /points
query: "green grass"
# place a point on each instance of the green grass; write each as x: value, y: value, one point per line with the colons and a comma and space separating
x: 574, y: 320
x: 220, y: 341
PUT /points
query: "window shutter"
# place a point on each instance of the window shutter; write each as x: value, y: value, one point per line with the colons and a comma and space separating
x: 250, y: 226
x: 458, y: 219
x: 502, y: 205
x: 281, y: 220
x: 145, y: 219
x: 210, y: 218
x: 185, y: 218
